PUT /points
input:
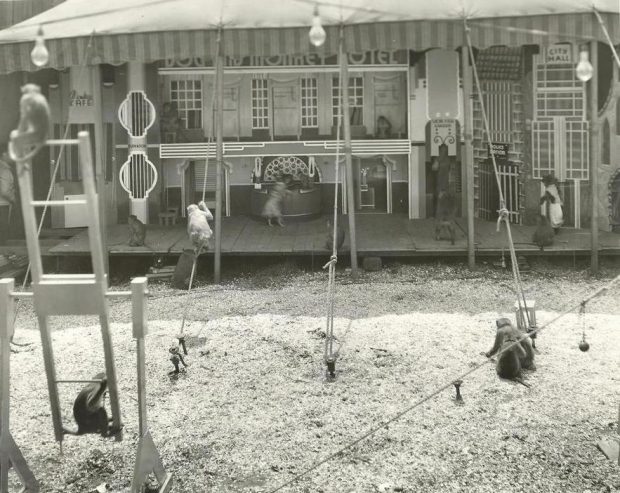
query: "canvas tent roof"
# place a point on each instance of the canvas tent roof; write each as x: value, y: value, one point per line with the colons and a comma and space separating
x: 148, y: 30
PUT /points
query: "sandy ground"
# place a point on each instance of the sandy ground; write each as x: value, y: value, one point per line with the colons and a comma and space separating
x: 255, y: 409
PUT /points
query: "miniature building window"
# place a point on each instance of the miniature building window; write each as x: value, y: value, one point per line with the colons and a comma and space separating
x: 309, y: 103
x: 558, y: 91
x: 498, y: 105
x: 187, y: 94
x: 69, y: 168
x: 356, y: 100
x: 260, y: 103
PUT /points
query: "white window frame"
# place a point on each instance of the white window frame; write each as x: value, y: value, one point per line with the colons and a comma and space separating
x: 260, y: 103
x: 309, y: 91
x: 188, y: 96
x: 356, y: 96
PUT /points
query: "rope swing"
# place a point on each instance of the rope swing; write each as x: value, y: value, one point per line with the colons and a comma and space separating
x: 504, y: 215
x: 330, y: 355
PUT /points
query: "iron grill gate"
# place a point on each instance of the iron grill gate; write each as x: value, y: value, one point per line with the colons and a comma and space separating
x: 489, y: 195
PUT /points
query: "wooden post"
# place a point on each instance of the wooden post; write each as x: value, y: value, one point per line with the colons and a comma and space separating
x: 138, y: 321
x: 344, y: 95
x: 219, y: 126
x: 99, y: 159
x: 467, y: 157
x: 594, y: 155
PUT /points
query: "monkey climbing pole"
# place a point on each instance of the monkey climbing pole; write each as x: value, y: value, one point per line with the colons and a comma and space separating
x: 69, y: 294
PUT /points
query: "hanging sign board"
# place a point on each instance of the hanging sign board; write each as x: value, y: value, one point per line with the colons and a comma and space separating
x: 499, y: 150
x: 442, y: 131
x: 559, y: 54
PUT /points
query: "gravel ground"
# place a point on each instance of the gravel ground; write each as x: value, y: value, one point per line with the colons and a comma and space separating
x: 254, y: 407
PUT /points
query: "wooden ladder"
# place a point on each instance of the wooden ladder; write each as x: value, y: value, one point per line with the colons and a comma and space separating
x: 70, y: 294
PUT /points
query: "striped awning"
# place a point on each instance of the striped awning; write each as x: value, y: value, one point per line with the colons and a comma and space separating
x: 389, y: 36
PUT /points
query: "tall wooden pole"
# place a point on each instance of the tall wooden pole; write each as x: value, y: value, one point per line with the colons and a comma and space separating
x: 467, y: 157
x: 594, y: 155
x: 344, y: 95
x: 219, y: 156
x: 99, y: 158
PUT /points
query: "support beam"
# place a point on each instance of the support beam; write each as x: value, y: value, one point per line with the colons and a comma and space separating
x: 467, y: 157
x: 344, y: 95
x: 595, y: 150
x: 219, y: 156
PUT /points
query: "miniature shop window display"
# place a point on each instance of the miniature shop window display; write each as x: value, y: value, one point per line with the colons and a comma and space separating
x: 301, y: 178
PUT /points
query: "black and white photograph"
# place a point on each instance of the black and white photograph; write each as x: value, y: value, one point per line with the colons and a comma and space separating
x: 218, y: 274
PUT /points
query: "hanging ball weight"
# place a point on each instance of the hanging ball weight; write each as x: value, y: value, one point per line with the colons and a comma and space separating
x: 584, y: 346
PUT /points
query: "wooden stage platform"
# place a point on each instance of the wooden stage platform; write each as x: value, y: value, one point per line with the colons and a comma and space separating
x: 377, y: 234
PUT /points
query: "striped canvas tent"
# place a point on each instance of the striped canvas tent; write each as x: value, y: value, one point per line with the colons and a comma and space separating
x: 149, y: 30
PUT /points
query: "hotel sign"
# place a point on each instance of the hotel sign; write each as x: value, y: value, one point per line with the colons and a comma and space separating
x: 371, y: 57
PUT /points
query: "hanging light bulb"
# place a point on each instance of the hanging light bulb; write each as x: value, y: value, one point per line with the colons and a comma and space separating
x: 39, y: 54
x: 317, y: 33
x: 584, y: 67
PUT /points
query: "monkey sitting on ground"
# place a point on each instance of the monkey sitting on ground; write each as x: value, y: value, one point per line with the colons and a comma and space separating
x: 273, y: 206
x: 340, y: 233
x: 137, y: 231
x: 198, y: 227
x: 34, y: 124
x: 444, y: 217
x: 89, y: 411
x: 519, y: 356
x: 544, y: 234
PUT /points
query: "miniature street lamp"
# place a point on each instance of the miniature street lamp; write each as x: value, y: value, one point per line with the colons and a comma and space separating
x: 39, y: 54
x: 317, y: 33
x: 584, y: 68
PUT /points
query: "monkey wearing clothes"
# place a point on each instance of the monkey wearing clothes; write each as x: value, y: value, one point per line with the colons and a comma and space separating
x: 519, y: 356
x: 34, y: 124
x: 198, y: 227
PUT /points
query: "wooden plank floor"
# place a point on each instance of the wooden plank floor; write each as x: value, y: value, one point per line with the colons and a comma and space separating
x: 378, y: 234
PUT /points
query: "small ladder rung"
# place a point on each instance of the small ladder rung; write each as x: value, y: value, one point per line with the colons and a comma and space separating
x: 59, y: 142
x: 43, y: 203
x: 79, y: 381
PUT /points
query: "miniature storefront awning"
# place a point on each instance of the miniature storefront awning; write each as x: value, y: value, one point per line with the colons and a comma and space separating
x: 150, y: 30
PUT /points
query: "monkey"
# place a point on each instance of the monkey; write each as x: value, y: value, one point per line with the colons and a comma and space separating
x: 176, y: 357
x: 273, y: 206
x: 519, y: 356
x: 137, y: 231
x: 340, y: 233
x: 34, y: 123
x: 89, y: 411
x: 444, y: 217
x: 543, y: 235
x: 198, y: 227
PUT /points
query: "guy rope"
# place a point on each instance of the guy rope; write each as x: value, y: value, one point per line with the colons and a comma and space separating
x: 504, y: 215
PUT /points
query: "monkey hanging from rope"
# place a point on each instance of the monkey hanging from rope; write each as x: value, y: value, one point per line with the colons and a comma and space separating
x: 34, y: 124
x: 198, y: 227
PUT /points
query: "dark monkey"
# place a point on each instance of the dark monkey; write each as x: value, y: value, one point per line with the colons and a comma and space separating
x: 519, y: 356
x: 444, y: 217
x: 176, y: 358
x: 34, y: 124
x: 543, y: 235
x: 330, y: 235
x: 89, y: 411
x: 137, y: 231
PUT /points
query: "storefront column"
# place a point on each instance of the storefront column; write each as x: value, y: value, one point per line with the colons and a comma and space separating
x: 467, y: 157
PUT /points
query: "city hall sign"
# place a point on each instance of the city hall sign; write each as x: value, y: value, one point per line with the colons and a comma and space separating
x: 371, y: 57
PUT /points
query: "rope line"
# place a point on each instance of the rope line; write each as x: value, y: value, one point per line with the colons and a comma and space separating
x: 333, y: 260
x: 504, y: 215
x: 607, y: 37
x: 440, y: 389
